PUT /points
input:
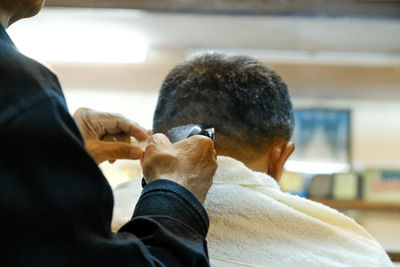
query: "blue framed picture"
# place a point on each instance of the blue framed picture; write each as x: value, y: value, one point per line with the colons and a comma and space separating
x: 322, y: 138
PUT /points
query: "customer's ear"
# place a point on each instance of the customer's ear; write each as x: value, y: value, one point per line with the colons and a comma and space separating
x: 278, y: 154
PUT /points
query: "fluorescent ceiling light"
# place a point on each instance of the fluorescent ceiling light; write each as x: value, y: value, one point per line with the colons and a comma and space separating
x: 314, y: 57
x: 77, y: 43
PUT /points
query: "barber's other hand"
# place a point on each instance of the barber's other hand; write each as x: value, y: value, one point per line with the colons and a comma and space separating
x: 95, y: 125
x: 191, y: 162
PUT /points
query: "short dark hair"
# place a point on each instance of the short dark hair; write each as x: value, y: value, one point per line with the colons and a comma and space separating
x: 244, y: 100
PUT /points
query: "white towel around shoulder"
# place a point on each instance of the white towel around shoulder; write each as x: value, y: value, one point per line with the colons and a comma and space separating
x: 253, y: 223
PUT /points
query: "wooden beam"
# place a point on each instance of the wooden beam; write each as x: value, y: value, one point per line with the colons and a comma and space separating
x: 340, y: 8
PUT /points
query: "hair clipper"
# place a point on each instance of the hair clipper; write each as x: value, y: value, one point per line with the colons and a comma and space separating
x: 185, y: 131
x: 182, y: 132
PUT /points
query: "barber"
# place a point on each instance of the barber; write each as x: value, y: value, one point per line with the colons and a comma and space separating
x: 55, y: 203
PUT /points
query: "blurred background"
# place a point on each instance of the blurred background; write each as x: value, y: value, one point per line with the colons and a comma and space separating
x: 340, y: 59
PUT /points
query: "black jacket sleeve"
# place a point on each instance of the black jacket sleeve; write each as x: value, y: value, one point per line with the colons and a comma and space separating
x: 177, y: 214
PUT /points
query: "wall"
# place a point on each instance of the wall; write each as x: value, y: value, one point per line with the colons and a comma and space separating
x: 372, y: 94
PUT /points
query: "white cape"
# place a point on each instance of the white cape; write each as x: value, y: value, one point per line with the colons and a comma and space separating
x: 253, y: 223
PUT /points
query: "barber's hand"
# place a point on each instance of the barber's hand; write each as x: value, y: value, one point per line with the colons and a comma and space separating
x: 191, y: 162
x: 95, y: 126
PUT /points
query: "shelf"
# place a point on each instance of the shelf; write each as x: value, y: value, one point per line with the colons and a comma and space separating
x: 359, y: 204
x: 394, y: 256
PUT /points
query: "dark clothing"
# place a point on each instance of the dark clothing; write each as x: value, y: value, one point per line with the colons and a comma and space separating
x: 55, y: 203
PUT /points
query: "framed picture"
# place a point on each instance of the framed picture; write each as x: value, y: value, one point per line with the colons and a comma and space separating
x: 322, y: 138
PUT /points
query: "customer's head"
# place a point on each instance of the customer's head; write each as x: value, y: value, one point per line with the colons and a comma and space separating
x: 246, y: 102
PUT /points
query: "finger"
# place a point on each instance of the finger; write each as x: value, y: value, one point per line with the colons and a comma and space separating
x: 112, y: 124
x: 158, y: 143
x: 128, y: 127
x: 117, y: 138
x: 202, y: 141
x: 214, y: 154
x: 118, y: 150
x: 139, y: 133
x: 159, y: 139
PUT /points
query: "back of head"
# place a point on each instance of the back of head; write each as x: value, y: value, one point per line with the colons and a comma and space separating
x: 245, y: 101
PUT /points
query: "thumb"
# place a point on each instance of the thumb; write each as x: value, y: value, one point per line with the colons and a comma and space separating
x: 119, y: 150
x: 159, y: 139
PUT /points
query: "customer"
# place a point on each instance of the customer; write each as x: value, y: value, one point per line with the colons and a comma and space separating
x: 252, y: 222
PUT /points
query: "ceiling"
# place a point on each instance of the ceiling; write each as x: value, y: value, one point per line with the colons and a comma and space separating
x: 336, y: 8
x: 183, y: 31
x: 171, y: 35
